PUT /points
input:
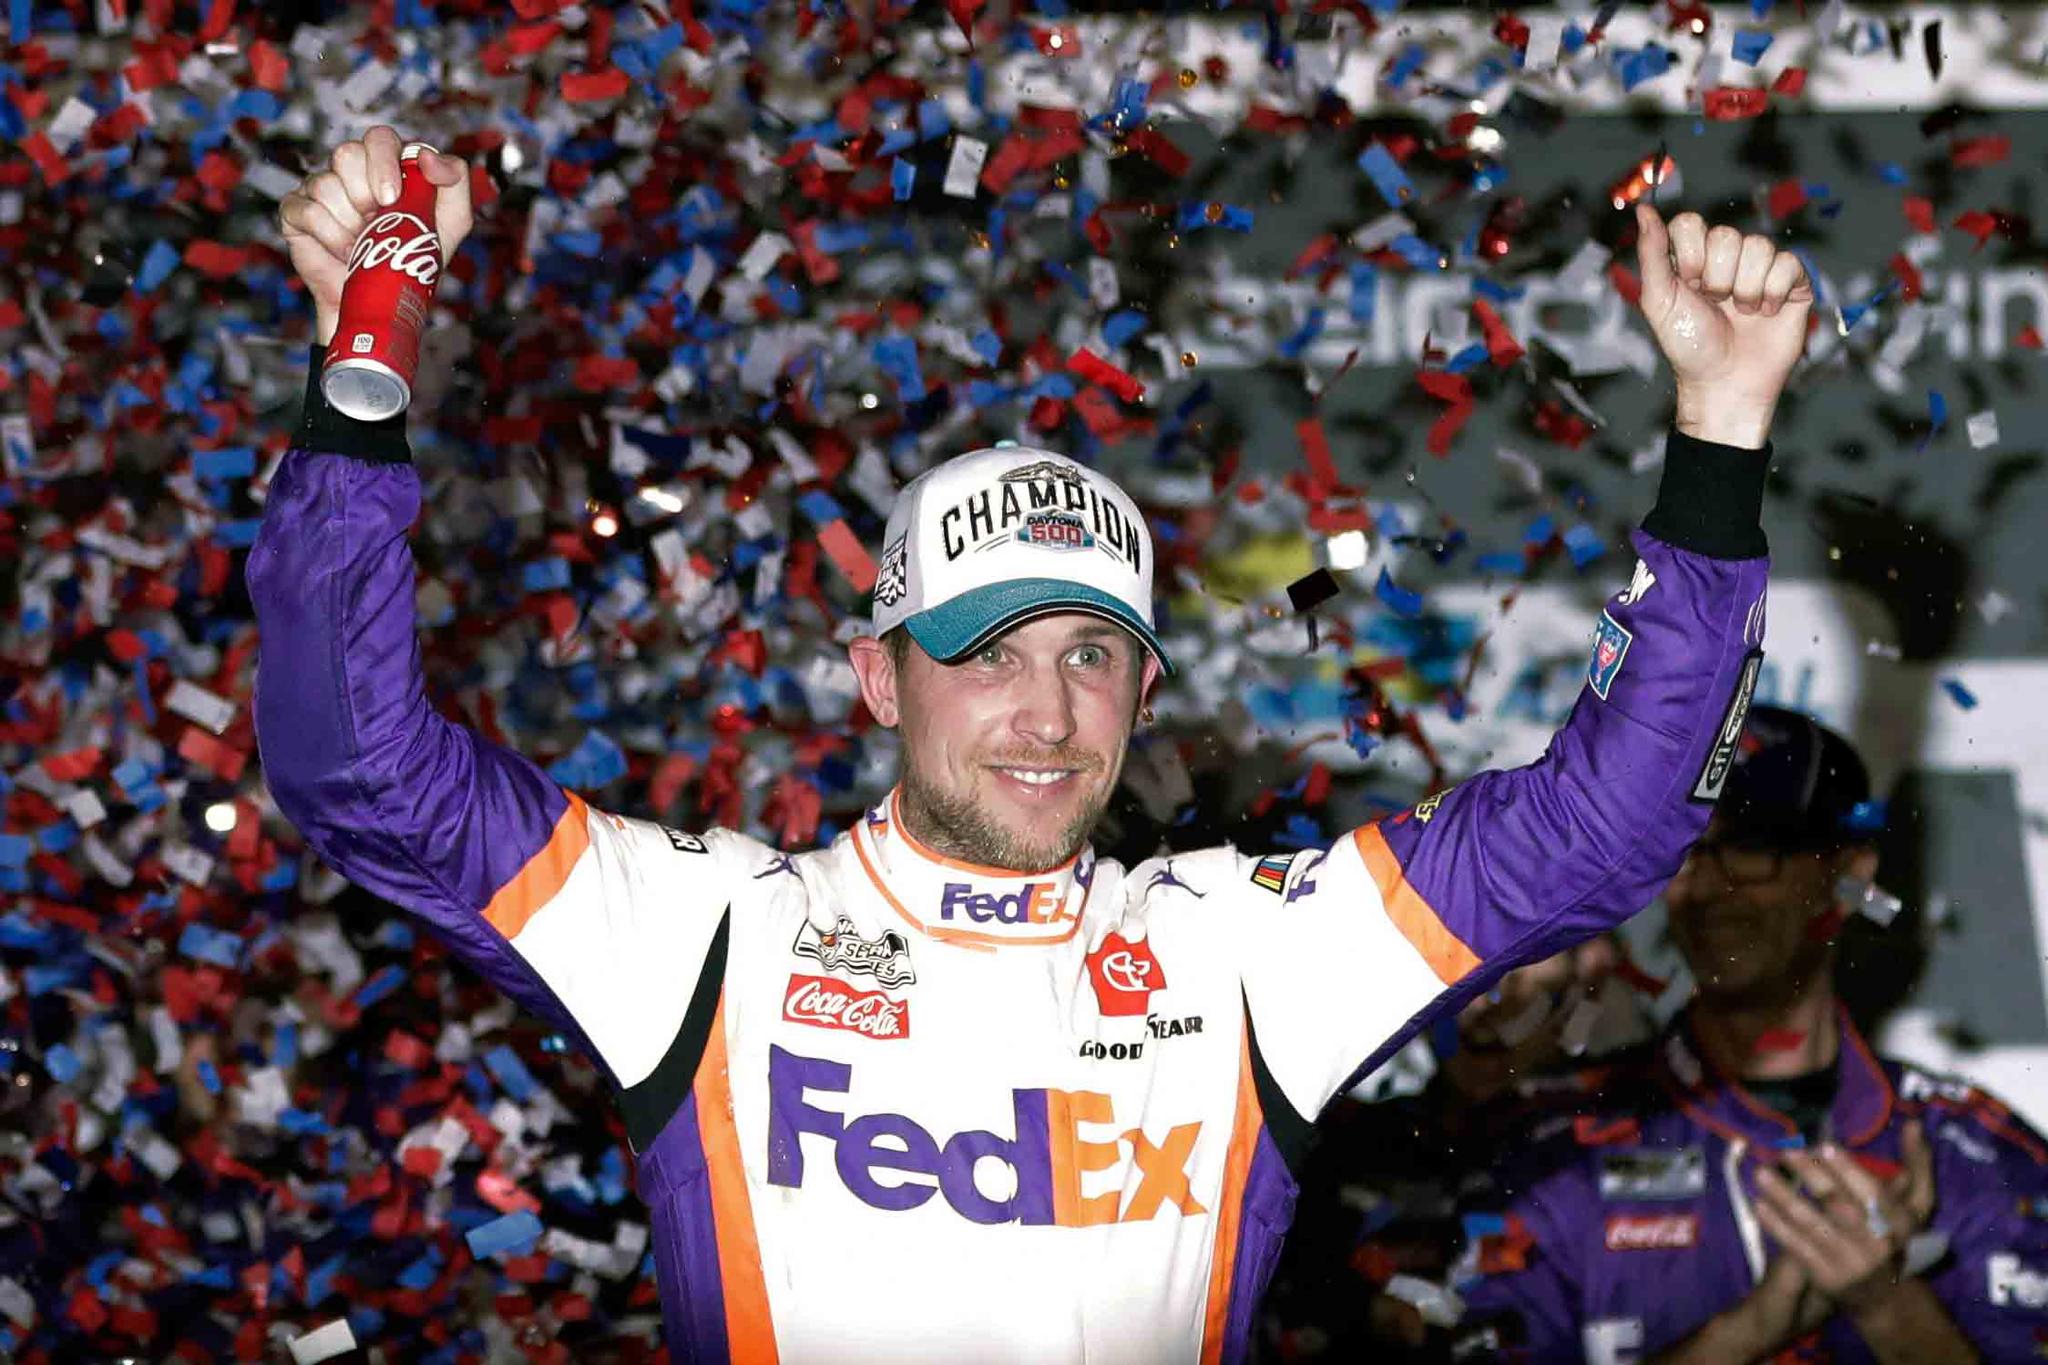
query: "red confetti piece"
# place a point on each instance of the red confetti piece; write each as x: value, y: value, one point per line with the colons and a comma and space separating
x: 1791, y: 82
x: 1978, y: 224
x: 1500, y: 342
x: 1625, y: 282
x: 1728, y: 103
x: 1315, y: 449
x: 1787, y: 198
x: 1095, y: 369
x: 220, y: 16
x: 2029, y: 337
x: 54, y: 168
x: 269, y: 69
x: 1908, y: 274
x: 217, y: 260
x: 1456, y: 390
x: 590, y: 87
x: 848, y: 555
x: 1989, y: 150
x: 1920, y: 213
x: 75, y: 766
x: 1590, y: 1130
x: 1157, y: 148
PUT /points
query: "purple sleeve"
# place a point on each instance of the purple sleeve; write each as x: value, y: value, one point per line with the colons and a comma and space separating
x: 391, y: 794
x: 1514, y: 865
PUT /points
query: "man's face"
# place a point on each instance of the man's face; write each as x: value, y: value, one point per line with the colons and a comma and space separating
x: 1010, y: 755
x: 1750, y: 920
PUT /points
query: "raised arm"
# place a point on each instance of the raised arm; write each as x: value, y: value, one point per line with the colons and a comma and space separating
x: 569, y: 910
x: 1511, y: 866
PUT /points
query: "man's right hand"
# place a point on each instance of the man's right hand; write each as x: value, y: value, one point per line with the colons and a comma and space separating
x: 323, y: 217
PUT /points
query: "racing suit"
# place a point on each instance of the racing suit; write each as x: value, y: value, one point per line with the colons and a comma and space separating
x: 1632, y: 1222
x: 890, y: 1106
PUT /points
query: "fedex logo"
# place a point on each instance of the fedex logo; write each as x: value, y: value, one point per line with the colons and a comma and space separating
x: 892, y: 1162
x: 1034, y: 904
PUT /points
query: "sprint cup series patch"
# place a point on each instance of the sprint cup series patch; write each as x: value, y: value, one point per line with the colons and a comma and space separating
x: 1721, y: 758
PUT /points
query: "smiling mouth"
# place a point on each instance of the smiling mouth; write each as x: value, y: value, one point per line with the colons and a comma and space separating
x: 1037, y: 777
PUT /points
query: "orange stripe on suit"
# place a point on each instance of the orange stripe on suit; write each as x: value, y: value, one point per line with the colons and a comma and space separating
x: 541, y: 880
x: 1443, y: 950
x: 749, y: 1330
x: 1237, y: 1169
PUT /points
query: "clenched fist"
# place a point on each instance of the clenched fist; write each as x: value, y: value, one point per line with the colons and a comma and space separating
x: 1729, y: 312
x: 322, y: 217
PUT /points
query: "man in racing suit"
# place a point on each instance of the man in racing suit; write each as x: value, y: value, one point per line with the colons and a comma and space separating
x: 889, y: 1102
x: 1758, y: 1184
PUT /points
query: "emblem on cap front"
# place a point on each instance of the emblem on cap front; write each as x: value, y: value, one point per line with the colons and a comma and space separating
x: 1044, y: 469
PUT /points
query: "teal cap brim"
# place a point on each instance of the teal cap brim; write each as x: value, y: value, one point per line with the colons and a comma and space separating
x: 958, y: 627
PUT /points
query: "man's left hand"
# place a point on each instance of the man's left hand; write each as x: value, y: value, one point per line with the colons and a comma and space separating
x: 1729, y: 312
x: 1848, y: 1230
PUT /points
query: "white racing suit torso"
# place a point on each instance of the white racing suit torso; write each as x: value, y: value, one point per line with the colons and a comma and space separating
x: 887, y: 1107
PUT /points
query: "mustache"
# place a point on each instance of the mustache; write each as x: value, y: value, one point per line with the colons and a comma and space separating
x: 1080, y: 760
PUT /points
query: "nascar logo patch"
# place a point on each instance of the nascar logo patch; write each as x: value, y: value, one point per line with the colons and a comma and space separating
x: 1270, y: 872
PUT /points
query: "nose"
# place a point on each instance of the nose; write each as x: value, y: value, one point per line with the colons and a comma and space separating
x: 1045, y: 713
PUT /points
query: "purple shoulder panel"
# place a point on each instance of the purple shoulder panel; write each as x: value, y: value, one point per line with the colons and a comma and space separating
x: 1523, y: 862
x: 390, y: 793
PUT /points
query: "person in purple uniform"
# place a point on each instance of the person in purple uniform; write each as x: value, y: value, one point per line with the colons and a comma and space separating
x: 1758, y: 1185
x: 953, y: 1087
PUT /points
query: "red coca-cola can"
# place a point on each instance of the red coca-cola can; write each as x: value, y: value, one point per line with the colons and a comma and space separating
x: 392, y: 272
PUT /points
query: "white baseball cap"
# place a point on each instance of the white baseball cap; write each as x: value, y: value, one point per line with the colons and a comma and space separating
x: 993, y: 538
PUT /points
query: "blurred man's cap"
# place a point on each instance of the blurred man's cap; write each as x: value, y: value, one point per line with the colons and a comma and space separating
x: 1795, y: 783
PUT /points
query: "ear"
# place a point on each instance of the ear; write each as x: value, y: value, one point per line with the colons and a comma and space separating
x: 1149, y: 679
x: 877, y: 674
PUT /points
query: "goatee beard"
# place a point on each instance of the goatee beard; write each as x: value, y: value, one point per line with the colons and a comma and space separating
x: 956, y: 827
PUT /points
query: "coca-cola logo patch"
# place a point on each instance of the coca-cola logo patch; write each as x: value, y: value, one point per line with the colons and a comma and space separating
x: 1652, y: 1232
x: 824, y: 1003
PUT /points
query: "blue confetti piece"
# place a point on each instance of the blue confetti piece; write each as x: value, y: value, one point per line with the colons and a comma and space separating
x: 1311, y: 328
x: 1494, y: 291
x: 1642, y: 64
x: 1891, y: 173
x: 545, y: 575
x: 1867, y: 817
x: 229, y: 462
x: 1386, y: 174
x: 62, y: 1064
x: 1407, y: 64
x: 1122, y: 325
x: 1937, y: 406
x: 15, y: 850
x: 422, y: 1272
x: 1470, y: 358
x: 1365, y: 288
x: 385, y: 981
x: 209, y: 1078
x: 1750, y: 44
x: 1478, y: 1225
x: 595, y: 762
x: 1959, y: 694
x: 1398, y: 599
x: 902, y: 180
x: 821, y: 507
x: 1584, y: 545
x: 511, y: 1073
x: 1418, y: 253
x: 897, y: 358
x: 156, y: 267
x: 205, y: 943
x: 514, y: 1232
x: 1500, y: 561
x: 238, y: 535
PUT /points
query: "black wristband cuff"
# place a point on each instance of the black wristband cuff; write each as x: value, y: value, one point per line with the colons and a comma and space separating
x: 322, y: 428
x: 1711, y: 498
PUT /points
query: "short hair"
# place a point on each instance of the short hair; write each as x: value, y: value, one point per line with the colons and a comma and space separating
x: 897, y: 642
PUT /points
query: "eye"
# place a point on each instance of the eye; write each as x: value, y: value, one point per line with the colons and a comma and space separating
x: 1090, y: 656
x: 989, y: 655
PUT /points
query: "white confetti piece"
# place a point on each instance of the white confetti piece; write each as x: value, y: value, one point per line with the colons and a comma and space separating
x: 323, y: 1343
x: 963, y: 170
x: 1983, y: 428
